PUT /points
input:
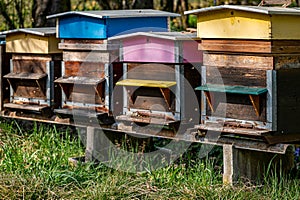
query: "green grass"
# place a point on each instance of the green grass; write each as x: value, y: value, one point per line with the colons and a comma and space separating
x: 34, y: 165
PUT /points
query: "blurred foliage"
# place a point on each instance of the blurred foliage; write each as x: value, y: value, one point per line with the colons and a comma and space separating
x: 20, y: 13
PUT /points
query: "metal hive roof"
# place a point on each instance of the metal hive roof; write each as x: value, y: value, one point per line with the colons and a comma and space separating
x: 44, y: 31
x: 118, y: 13
x: 254, y: 9
x: 163, y: 35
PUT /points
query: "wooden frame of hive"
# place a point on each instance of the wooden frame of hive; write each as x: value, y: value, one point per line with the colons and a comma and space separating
x: 154, y: 68
x: 89, y: 56
x: 253, y: 48
x: 34, y: 65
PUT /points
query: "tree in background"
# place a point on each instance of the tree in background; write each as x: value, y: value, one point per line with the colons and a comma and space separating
x: 125, y: 4
x: 14, y: 13
x: 32, y: 13
x: 43, y: 8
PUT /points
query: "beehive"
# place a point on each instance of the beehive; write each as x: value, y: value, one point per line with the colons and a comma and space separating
x: 247, y: 22
x: 34, y: 65
x: 107, y: 23
x: 154, y: 68
x: 88, y: 56
x: 255, y: 51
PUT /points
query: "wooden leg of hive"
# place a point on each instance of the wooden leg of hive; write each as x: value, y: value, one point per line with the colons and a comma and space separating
x: 96, y: 145
x: 253, y: 166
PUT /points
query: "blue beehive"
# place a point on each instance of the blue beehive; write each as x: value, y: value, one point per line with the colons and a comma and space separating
x: 108, y: 23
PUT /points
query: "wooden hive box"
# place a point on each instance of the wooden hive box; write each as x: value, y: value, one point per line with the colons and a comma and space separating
x: 250, y: 83
x: 85, y: 76
x: 155, y: 65
x: 35, y: 63
x: 88, y: 55
x: 107, y: 23
x: 32, y: 40
x: 247, y: 22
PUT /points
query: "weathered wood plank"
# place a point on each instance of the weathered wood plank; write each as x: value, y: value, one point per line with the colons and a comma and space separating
x: 86, y: 98
x: 230, y: 45
x: 151, y: 71
x: 25, y: 76
x: 79, y: 80
x: 251, y: 46
x: 85, y: 69
x: 29, y: 66
x: 147, y: 120
x: 89, y: 56
x: 236, y: 76
x: 234, y: 130
x: 25, y: 106
x: 79, y: 46
x: 74, y: 41
x: 79, y: 112
x: 31, y: 57
x: 238, y: 61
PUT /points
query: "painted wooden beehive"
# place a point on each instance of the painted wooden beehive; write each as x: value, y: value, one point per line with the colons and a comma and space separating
x: 87, y: 74
x: 155, y: 67
x: 252, y: 56
x: 107, y: 23
x: 34, y: 65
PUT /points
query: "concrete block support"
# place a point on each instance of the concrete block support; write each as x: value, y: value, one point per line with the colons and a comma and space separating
x: 96, y: 145
x: 249, y: 165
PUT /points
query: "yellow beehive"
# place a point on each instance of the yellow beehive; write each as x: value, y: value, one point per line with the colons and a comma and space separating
x: 32, y: 40
x: 248, y: 22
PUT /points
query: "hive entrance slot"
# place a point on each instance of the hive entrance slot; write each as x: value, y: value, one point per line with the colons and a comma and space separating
x: 253, y: 93
x: 29, y: 85
x: 139, y: 85
x: 81, y: 88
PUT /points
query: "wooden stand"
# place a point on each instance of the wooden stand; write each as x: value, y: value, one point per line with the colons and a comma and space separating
x: 241, y: 161
x: 252, y: 166
x: 95, y: 145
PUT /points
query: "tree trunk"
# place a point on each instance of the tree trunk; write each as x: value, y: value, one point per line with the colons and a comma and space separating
x: 125, y: 4
x: 167, y: 5
x: 143, y: 4
x: 181, y: 6
x: 3, y: 11
x: 19, y: 9
x: 43, y: 8
x: 111, y: 4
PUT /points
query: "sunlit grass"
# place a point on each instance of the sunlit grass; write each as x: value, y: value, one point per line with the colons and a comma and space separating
x: 34, y: 165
